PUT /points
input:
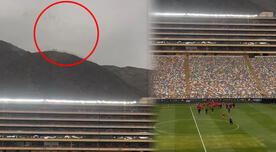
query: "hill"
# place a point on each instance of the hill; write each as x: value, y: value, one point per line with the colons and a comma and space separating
x: 135, y: 77
x: 28, y: 75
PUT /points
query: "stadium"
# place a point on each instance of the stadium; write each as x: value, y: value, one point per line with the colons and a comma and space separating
x: 214, y: 75
x: 55, y: 125
x: 212, y: 87
x: 54, y: 96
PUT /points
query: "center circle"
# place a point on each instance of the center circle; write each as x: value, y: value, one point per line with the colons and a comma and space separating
x: 170, y: 125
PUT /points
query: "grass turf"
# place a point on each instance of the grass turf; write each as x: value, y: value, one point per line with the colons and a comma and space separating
x: 254, y: 129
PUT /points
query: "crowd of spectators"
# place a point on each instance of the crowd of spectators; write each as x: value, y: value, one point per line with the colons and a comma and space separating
x: 213, y: 77
x: 169, y: 77
x: 265, y: 68
x: 221, y: 77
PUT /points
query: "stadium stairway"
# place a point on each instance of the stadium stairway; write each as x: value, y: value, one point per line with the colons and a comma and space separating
x: 255, y: 77
x: 187, y: 76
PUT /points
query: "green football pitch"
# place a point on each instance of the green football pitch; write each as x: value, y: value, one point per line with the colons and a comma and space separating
x: 181, y: 129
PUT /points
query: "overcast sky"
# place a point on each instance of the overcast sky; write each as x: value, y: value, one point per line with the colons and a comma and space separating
x: 67, y: 27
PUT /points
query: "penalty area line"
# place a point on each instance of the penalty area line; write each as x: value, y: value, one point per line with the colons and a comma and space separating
x: 203, y: 145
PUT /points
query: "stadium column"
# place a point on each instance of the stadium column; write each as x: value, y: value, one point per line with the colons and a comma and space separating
x: 255, y: 77
x: 187, y: 76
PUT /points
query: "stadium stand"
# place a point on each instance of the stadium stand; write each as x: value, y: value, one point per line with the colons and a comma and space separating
x: 214, y: 35
x: 221, y: 77
x: 76, y: 127
x: 266, y: 67
x: 213, y: 57
x: 169, y: 70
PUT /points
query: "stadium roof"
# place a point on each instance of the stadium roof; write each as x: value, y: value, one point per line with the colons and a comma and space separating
x: 214, y: 6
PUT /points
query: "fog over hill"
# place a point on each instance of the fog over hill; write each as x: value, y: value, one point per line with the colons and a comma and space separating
x: 28, y: 75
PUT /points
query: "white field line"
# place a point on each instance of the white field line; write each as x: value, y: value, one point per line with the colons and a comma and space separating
x: 205, y: 150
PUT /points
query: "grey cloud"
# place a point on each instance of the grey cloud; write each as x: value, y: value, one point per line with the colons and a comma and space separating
x: 123, y: 25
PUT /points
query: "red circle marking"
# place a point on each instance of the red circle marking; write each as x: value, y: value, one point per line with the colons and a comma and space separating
x: 94, y: 47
